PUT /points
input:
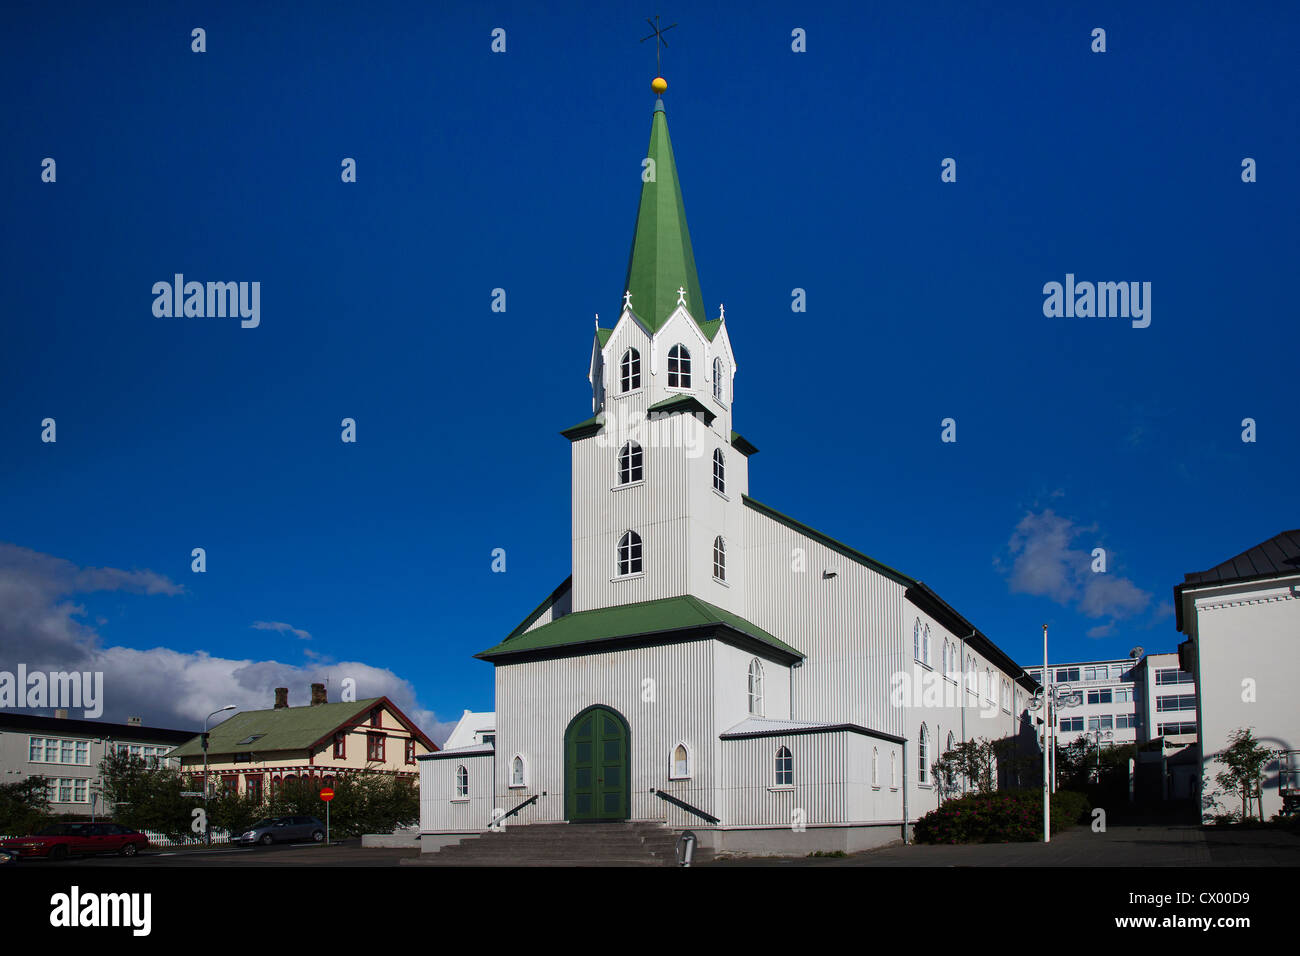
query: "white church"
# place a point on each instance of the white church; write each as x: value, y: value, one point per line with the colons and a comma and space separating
x: 711, y: 663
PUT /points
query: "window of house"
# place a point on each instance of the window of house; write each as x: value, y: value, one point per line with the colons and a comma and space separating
x: 340, y: 745
x: 893, y: 768
x: 875, y: 766
x: 253, y: 785
x: 719, y: 558
x: 462, y: 783
x: 681, y: 763
x: 376, y: 717
x: 923, y: 756
x: 1071, y: 724
x: 755, y: 688
x: 784, y: 767
x: 629, y: 371
x: 517, y: 771
x: 410, y: 751
x: 719, y: 471
x: 230, y: 784
x: 631, y: 464
x: 717, y: 379
x: 629, y: 554
x: 679, y: 367
x: 375, y: 746
x: 1099, y: 696
x: 1064, y: 674
x: 1170, y: 702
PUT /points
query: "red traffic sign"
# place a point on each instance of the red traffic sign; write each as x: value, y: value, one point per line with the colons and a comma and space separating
x: 327, y: 794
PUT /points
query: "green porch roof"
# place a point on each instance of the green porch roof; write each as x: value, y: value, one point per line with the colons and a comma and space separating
x: 284, y: 728
x: 685, y: 614
x: 661, y: 260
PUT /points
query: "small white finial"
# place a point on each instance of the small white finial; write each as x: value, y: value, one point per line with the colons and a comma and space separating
x: 597, y: 321
x: 722, y: 312
x: 627, y: 300
x: 681, y: 296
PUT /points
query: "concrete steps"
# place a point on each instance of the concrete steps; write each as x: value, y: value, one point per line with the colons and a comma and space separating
x: 564, y: 844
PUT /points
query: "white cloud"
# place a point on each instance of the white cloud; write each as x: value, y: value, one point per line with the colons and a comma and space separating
x: 283, y: 628
x: 41, y: 627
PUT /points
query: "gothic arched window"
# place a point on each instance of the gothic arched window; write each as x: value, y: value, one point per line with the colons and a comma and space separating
x: 631, y: 464
x: 681, y: 768
x: 629, y: 371
x: 755, y: 688
x: 462, y: 782
x: 923, y: 756
x: 679, y: 367
x: 517, y: 771
x: 719, y: 471
x: 629, y: 554
x: 784, y: 768
x: 719, y: 558
x: 717, y: 379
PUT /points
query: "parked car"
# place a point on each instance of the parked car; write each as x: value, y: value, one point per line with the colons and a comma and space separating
x: 282, y: 829
x: 61, y: 840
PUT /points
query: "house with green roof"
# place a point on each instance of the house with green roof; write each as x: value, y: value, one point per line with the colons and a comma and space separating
x: 709, y: 662
x: 258, y: 751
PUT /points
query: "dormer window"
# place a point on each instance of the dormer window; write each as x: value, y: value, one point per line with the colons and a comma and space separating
x: 679, y: 367
x: 631, y: 464
x: 629, y: 554
x: 629, y: 371
x: 717, y: 379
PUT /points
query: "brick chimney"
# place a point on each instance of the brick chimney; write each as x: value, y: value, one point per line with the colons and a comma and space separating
x: 281, y: 697
x: 317, y: 694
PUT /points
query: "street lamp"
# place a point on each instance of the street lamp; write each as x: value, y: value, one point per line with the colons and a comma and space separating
x: 1097, y: 737
x: 207, y: 830
x: 1051, y: 699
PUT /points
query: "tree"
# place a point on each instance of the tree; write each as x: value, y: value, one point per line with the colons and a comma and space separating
x: 145, y: 797
x: 1244, y: 758
x: 970, y: 761
x: 24, y: 806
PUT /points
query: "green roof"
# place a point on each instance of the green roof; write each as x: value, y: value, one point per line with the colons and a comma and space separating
x: 647, y: 619
x: 283, y: 728
x: 742, y: 445
x: 684, y: 405
x: 661, y: 261
x: 602, y: 336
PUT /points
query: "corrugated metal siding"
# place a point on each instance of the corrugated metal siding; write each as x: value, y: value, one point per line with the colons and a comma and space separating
x: 849, y: 626
x: 439, y: 811
x: 539, y: 699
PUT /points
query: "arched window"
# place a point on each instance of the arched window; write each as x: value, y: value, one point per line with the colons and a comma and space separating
x: 756, y: 688
x: 925, y: 644
x: 717, y: 379
x: 719, y: 471
x: 719, y: 558
x: 679, y: 367
x: 875, y: 766
x: 629, y: 371
x: 517, y: 771
x: 462, y: 782
x: 923, y: 756
x: 629, y: 554
x: 916, y: 639
x: 952, y: 742
x: 893, y: 768
x: 988, y: 684
x: 631, y: 463
x: 784, y: 768
x: 681, y: 765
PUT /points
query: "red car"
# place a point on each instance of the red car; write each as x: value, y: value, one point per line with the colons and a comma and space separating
x: 61, y: 840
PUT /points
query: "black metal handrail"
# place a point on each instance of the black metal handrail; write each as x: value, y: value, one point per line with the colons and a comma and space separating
x: 496, y: 821
x: 684, y: 805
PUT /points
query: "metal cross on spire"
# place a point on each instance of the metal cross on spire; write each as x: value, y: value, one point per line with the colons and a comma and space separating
x: 658, y: 37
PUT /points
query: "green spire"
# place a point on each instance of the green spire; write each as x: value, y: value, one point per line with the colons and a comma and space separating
x: 662, y: 261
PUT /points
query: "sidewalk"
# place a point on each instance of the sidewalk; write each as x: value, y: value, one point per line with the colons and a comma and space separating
x: 1155, y: 846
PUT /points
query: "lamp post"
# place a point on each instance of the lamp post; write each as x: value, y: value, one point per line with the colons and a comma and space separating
x: 207, y: 830
x: 1097, y: 737
x: 1051, y: 699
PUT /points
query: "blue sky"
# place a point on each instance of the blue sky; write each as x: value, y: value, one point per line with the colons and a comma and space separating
x: 816, y: 170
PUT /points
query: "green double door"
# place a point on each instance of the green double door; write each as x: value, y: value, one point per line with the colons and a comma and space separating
x: 597, y: 768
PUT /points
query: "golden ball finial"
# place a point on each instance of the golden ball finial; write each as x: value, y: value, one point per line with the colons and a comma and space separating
x: 659, y: 84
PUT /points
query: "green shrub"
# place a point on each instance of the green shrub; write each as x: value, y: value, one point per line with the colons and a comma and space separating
x: 1004, y: 816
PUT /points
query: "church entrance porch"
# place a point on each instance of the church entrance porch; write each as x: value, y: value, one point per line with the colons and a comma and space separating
x: 597, y: 767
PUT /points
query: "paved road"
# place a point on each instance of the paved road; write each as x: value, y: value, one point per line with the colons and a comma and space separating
x: 1148, y: 846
